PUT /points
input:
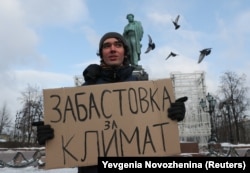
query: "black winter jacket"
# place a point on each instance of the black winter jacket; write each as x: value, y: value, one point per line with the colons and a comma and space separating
x: 95, y: 74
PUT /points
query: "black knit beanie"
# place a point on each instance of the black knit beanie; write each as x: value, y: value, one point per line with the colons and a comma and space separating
x: 113, y: 35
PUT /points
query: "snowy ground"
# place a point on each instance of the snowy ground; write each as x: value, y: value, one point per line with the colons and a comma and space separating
x: 4, y: 151
x: 35, y: 169
x: 71, y: 170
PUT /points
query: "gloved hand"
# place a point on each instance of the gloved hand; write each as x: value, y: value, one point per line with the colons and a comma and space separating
x: 177, y: 110
x: 44, y: 132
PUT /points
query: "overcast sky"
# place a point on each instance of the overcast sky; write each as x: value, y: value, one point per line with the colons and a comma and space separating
x: 45, y: 43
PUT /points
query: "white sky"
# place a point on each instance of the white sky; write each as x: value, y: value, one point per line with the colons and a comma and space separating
x: 45, y: 43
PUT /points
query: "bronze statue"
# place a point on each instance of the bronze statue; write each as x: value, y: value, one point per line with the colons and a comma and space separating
x: 133, y: 33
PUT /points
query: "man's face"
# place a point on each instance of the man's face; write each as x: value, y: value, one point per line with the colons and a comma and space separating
x: 113, y: 52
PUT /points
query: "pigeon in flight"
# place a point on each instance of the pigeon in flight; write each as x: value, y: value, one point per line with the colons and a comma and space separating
x: 97, y: 53
x: 204, y: 53
x: 175, y: 22
x: 171, y: 54
x: 151, y: 45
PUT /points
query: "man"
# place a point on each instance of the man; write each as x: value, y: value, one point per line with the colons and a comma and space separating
x: 114, y: 67
x: 133, y: 33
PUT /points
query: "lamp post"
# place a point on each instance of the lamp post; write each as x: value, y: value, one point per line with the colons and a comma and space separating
x: 210, y: 109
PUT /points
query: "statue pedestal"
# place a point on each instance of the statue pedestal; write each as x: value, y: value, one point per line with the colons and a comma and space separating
x: 140, y: 73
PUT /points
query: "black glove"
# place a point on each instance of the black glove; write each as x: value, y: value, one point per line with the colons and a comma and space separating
x: 44, y: 132
x: 177, y: 110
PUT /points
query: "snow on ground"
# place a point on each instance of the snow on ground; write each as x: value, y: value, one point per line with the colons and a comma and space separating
x: 30, y: 169
x: 35, y: 169
x: 73, y: 170
x: 234, y: 145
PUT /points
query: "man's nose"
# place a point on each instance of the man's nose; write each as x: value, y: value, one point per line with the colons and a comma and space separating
x: 112, y: 47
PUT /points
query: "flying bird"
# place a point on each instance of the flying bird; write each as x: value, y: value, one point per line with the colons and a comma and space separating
x: 171, y: 54
x: 204, y: 53
x: 97, y: 53
x: 151, y: 45
x: 175, y: 22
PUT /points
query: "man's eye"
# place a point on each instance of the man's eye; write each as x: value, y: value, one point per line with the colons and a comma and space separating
x: 106, y: 45
x: 118, y: 44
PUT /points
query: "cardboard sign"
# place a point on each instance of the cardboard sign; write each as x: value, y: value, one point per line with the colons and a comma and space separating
x: 118, y: 119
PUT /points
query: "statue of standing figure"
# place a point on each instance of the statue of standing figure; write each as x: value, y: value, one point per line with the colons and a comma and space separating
x: 133, y: 33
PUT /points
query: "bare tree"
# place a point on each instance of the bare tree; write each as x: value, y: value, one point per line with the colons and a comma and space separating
x: 5, y: 121
x: 233, y: 92
x: 32, y: 111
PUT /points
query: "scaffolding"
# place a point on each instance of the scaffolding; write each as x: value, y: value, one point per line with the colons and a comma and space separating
x: 196, y: 126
